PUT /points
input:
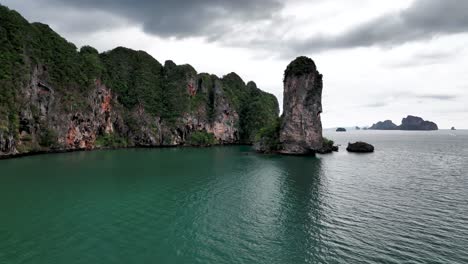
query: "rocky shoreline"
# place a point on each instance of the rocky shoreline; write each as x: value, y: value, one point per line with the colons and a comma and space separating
x: 59, y: 151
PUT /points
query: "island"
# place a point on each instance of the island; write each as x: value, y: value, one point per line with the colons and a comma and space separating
x: 360, y: 147
x: 453, y: 128
x: 417, y: 123
x: 384, y: 125
x: 411, y: 123
x: 341, y: 129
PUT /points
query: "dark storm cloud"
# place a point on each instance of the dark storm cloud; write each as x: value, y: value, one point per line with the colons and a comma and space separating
x: 239, y: 22
x: 179, y: 18
x: 424, y: 19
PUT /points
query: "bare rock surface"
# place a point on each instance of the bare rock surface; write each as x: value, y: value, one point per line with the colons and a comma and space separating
x: 360, y: 147
x: 301, y: 126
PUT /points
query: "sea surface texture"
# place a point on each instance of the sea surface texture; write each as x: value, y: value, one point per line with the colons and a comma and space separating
x: 405, y: 203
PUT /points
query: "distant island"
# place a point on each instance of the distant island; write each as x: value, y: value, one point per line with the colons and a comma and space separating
x: 384, y: 125
x: 408, y: 123
x: 341, y: 129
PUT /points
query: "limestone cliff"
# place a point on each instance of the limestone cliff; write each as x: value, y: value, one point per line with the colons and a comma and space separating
x: 301, y: 127
x: 56, y: 98
x: 299, y: 130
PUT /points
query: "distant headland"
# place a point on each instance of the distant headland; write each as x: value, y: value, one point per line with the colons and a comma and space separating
x: 408, y: 123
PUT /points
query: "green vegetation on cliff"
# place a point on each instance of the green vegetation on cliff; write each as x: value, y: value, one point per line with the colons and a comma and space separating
x: 176, y: 100
x: 201, y: 138
x: 300, y: 66
x: 259, y: 110
x: 25, y: 48
x: 136, y: 77
x: 111, y: 141
x: 267, y: 139
x: 256, y: 108
x: 33, y: 55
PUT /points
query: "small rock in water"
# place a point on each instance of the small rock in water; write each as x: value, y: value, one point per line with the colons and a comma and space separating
x: 341, y: 129
x: 360, y: 147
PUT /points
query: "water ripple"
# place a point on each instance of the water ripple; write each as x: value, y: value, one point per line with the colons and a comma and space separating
x: 406, y: 203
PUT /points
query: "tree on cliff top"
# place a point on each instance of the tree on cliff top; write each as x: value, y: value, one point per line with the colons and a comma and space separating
x: 300, y: 66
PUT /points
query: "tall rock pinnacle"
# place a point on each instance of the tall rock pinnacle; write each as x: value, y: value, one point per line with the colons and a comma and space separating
x: 301, y: 127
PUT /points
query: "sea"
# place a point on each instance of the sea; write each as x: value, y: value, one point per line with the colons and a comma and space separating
x: 405, y: 203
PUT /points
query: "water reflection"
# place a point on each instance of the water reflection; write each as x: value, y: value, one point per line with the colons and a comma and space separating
x: 230, y: 205
x: 302, y: 205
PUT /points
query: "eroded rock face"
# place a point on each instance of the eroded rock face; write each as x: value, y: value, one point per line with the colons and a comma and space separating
x: 47, y: 115
x: 225, y: 118
x: 301, y: 126
x: 64, y: 99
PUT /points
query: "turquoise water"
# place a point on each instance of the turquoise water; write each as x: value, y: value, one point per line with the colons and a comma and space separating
x: 405, y: 203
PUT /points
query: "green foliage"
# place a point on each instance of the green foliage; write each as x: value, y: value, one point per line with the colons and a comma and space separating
x: 205, y: 96
x: 47, y: 137
x: 27, y: 147
x: 25, y: 47
x: 13, y: 31
x: 259, y: 109
x: 91, y: 64
x: 176, y: 100
x: 235, y: 90
x: 327, y: 142
x: 111, y: 141
x: 268, y: 136
x: 59, y: 57
x: 136, y: 77
x: 256, y: 108
x: 300, y: 66
x: 201, y: 138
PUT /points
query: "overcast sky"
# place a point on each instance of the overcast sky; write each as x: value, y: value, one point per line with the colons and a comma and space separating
x: 380, y: 59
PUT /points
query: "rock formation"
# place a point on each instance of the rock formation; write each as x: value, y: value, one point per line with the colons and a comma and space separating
x: 385, y: 125
x: 61, y: 99
x: 408, y: 123
x: 299, y: 130
x: 453, y: 128
x: 341, y: 129
x: 360, y: 147
x: 301, y: 127
x: 417, y: 123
